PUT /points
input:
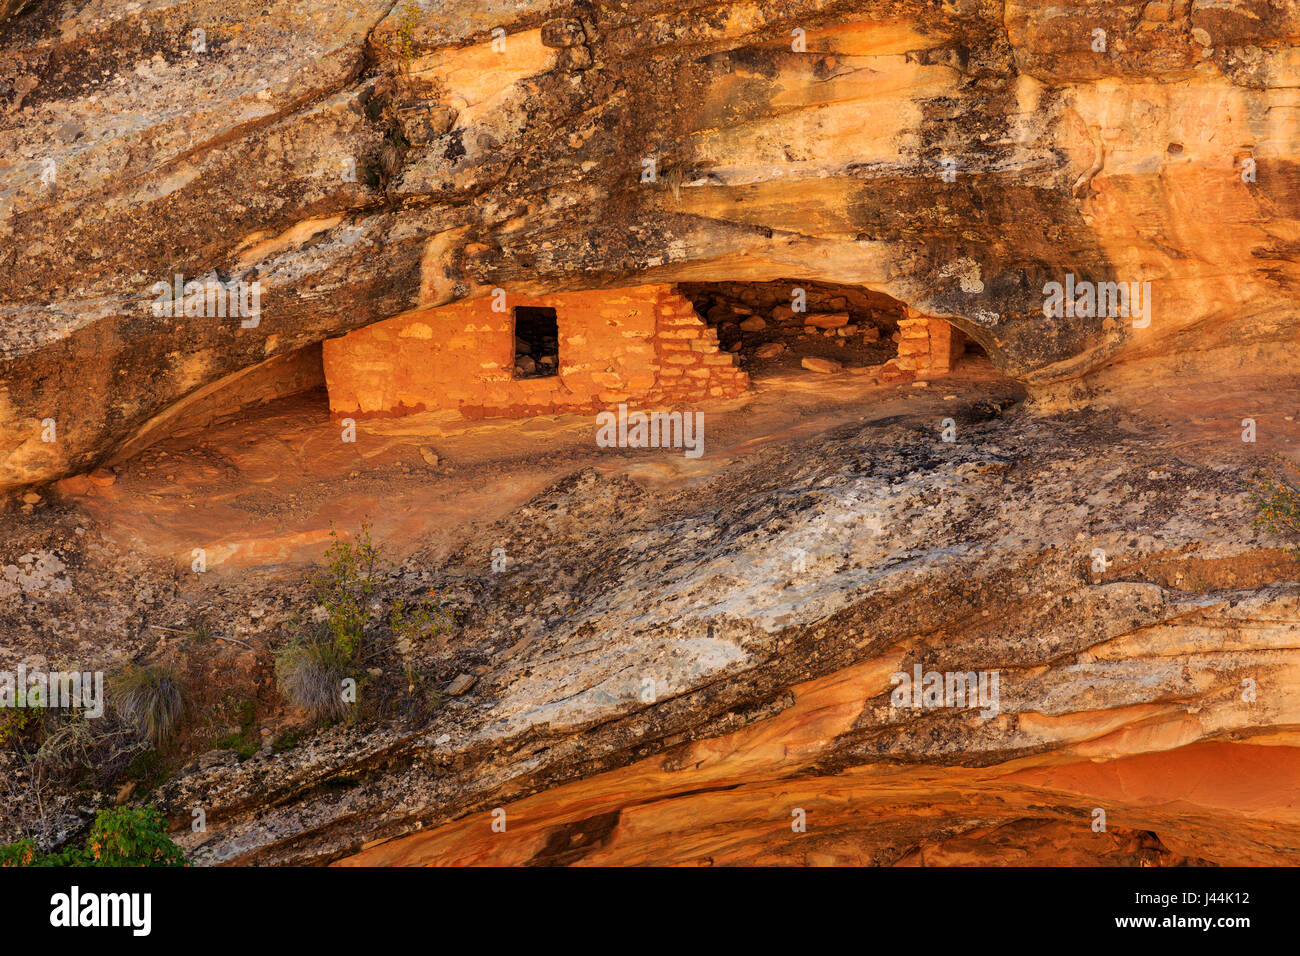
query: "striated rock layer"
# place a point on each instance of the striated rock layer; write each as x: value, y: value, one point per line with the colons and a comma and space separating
x: 364, y: 159
x: 687, y: 661
x: 685, y: 682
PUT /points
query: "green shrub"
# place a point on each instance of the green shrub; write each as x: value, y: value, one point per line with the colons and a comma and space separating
x: 149, y: 698
x: 119, y: 837
x: 310, y: 669
x: 349, y: 585
x: 22, y: 853
x: 1276, y: 499
x: 286, y: 741
x: 245, y: 741
x: 15, y: 722
x: 413, y: 623
x: 148, y: 769
x: 132, y: 837
x: 345, y: 588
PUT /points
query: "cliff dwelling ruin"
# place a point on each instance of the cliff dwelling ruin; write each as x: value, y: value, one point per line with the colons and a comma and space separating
x: 651, y: 346
x: 841, y: 240
x: 572, y: 352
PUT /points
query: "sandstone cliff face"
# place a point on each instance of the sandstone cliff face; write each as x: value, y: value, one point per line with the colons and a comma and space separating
x: 684, y: 683
x: 515, y: 160
x: 368, y: 161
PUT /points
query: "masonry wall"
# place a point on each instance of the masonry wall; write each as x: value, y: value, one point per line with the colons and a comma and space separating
x: 926, y: 346
x: 643, y: 345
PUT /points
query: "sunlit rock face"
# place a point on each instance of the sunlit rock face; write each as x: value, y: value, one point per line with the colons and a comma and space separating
x: 691, y: 680
x: 359, y: 162
x: 205, y: 205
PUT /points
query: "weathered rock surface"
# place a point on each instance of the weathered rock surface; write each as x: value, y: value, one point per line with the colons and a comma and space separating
x: 679, y: 658
x: 770, y: 671
x: 665, y: 672
x: 135, y: 152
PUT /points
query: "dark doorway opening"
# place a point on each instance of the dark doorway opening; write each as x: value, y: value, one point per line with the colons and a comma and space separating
x: 537, y: 342
x: 773, y: 326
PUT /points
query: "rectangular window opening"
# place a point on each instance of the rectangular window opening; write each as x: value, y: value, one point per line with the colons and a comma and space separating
x: 537, y: 342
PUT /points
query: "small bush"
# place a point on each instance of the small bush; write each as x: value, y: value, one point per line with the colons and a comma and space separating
x: 355, y: 635
x: 132, y: 837
x: 344, y: 589
x: 120, y: 837
x: 22, y: 853
x: 149, y: 698
x: 413, y: 623
x: 405, y: 37
x: 1276, y: 499
x: 310, y: 673
x: 286, y: 741
x: 148, y: 770
x: 17, y: 722
x: 245, y: 741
